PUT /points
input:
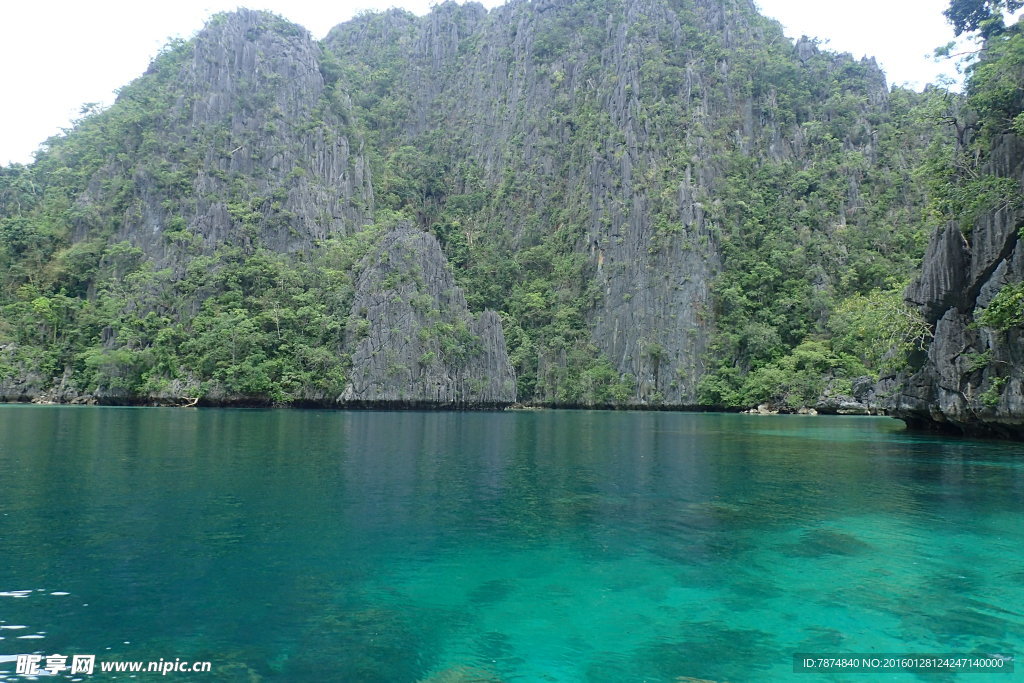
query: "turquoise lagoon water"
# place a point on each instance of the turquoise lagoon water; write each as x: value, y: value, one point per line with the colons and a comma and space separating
x: 519, y: 546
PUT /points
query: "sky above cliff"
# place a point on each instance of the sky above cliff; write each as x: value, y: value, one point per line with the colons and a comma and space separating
x: 57, y: 56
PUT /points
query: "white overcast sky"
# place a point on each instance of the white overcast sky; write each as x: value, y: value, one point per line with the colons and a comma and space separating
x: 57, y: 55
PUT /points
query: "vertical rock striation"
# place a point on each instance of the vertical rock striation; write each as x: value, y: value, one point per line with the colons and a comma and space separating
x: 413, y: 340
x: 606, y: 123
x: 249, y: 143
x: 973, y: 378
x: 243, y: 142
x: 590, y: 168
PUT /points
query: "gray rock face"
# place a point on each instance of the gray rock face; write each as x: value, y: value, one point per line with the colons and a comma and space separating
x: 254, y: 145
x: 973, y: 379
x: 573, y: 122
x: 945, y: 272
x: 23, y: 386
x: 252, y: 141
x: 864, y: 399
x: 257, y: 143
x: 412, y: 338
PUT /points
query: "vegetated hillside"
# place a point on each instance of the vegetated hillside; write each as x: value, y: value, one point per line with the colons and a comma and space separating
x: 603, y: 202
x: 971, y: 288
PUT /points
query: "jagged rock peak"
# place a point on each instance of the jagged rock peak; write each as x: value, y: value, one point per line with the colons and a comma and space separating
x: 249, y: 49
x: 259, y: 130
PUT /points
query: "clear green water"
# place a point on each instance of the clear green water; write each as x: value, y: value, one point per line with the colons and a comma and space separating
x: 532, y: 546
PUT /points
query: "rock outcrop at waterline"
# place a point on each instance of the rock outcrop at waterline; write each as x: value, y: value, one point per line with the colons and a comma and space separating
x: 413, y: 340
x: 973, y: 378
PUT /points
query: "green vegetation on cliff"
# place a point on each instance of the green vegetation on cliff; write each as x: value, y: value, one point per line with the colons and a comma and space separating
x: 89, y: 306
x: 667, y: 203
x: 796, y: 165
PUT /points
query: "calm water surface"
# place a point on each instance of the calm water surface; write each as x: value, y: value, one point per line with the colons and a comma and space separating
x: 527, y: 546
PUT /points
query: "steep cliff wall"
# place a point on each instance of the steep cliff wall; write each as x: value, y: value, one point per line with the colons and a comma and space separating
x: 211, y: 224
x: 602, y: 133
x: 973, y: 379
x: 642, y: 202
x: 238, y: 138
x: 413, y: 341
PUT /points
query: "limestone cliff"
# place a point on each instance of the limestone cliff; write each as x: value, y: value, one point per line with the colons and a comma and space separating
x: 602, y: 202
x: 973, y: 379
x: 412, y: 339
x: 607, y: 128
x: 214, y: 200
x: 245, y: 140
